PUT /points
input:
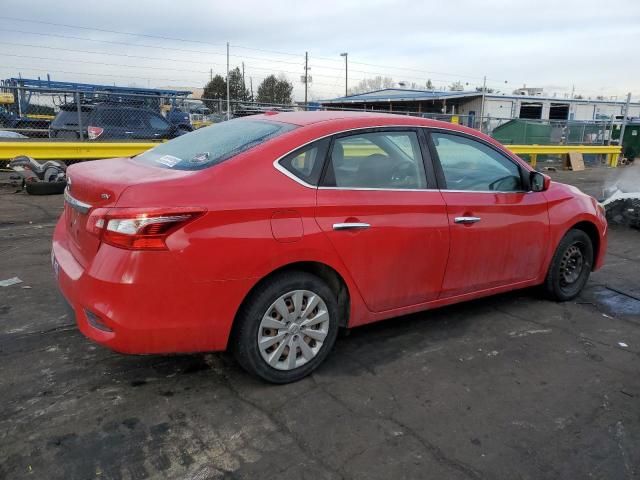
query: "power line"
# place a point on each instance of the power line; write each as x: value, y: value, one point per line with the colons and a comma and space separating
x: 98, y: 63
x: 178, y: 39
x: 314, y: 58
x: 117, y: 32
x: 110, y: 42
x: 139, y: 77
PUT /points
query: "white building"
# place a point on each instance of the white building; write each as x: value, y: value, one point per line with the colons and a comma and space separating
x: 505, y: 106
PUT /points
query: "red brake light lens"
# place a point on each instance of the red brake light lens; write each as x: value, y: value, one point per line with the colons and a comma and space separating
x: 94, y: 132
x: 134, y: 229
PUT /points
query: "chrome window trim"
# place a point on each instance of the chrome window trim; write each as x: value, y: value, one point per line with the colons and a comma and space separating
x: 75, y: 203
x: 367, y: 189
x: 298, y: 180
x: 486, y: 191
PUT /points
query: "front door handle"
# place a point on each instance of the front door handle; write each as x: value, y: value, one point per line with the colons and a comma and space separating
x: 350, y: 226
x: 467, y: 220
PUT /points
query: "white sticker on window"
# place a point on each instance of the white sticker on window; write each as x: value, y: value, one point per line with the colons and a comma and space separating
x: 168, y: 160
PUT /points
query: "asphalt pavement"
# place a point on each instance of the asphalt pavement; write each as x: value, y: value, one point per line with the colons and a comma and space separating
x: 507, y: 387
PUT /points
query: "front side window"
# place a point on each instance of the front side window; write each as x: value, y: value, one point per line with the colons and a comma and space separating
x: 209, y: 146
x: 385, y: 160
x: 471, y: 165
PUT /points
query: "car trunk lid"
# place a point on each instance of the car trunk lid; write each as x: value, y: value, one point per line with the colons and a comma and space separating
x: 99, y: 184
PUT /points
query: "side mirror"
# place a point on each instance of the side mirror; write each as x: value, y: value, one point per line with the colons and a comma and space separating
x: 539, y: 182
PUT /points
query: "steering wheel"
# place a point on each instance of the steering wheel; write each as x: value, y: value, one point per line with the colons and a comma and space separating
x: 496, y: 185
x: 404, y: 173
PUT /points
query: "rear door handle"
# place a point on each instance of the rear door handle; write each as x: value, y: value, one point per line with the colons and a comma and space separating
x: 350, y: 226
x: 467, y: 220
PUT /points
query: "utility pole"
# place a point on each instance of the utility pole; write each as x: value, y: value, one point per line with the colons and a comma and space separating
x: 484, y: 89
x: 228, y: 99
x: 624, y: 119
x: 210, y: 74
x: 573, y: 90
x: 244, y: 85
x: 306, y: 77
x: 251, y: 84
x: 346, y: 73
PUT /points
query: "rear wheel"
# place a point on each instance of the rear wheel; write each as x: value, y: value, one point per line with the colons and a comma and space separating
x: 570, y: 267
x: 287, y: 328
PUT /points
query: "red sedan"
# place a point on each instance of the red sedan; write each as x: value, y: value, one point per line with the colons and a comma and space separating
x: 266, y: 234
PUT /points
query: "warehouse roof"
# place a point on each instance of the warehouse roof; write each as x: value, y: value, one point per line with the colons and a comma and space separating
x: 405, y: 95
x: 400, y: 94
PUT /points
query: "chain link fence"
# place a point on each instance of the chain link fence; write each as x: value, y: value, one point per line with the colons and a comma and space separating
x: 68, y: 115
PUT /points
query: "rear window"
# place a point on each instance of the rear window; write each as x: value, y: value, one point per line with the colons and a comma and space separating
x: 69, y: 118
x: 211, y: 145
x: 121, y: 118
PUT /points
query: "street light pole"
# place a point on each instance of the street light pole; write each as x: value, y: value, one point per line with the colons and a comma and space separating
x: 624, y: 119
x: 484, y: 89
x: 346, y: 73
x: 228, y: 98
x: 306, y: 78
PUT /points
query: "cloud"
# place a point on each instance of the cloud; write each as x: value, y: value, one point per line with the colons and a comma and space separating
x: 545, y: 43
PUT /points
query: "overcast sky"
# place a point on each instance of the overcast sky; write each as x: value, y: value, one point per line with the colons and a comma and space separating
x: 552, y: 44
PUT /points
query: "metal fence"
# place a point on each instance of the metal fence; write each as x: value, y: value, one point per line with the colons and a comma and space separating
x: 68, y: 115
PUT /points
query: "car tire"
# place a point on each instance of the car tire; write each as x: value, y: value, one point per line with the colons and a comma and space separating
x: 570, y: 267
x: 264, y: 332
x: 45, y: 188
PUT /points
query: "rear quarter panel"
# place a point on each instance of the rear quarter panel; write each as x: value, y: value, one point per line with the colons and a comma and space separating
x: 242, y: 235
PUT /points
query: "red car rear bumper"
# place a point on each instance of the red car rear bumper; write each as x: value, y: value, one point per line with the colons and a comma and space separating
x: 168, y: 314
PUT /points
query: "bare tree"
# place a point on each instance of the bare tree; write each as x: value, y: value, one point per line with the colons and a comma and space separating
x: 371, y: 84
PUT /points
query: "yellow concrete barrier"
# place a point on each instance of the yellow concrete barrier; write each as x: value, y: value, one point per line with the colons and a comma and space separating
x: 72, y: 150
x: 98, y: 150
x: 611, y: 151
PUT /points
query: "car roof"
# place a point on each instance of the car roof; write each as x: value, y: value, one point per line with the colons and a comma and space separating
x: 345, y: 119
x: 308, y: 118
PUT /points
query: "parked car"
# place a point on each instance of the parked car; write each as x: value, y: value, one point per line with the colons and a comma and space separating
x: 266, y: 234
x: 111, y: 121
x: 11, y: 135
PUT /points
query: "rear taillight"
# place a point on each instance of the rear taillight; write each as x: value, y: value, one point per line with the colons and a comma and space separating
x: 94, y: 132
x: 137, y: 229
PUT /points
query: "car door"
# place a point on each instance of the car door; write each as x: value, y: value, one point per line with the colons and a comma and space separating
x: 384, y: 216
x: 499, y: 229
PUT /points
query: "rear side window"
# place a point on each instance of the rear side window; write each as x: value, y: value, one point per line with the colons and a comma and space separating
x: 115, y: 118
x: 212, y: 145
x: 306, y: 163
x: 380, y: 160
x: 69, y: 118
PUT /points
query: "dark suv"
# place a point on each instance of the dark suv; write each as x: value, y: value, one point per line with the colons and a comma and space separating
x: 105, y: 121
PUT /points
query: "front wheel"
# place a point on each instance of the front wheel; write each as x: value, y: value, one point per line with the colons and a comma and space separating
x: 570, y: 267
x: 286, y: 329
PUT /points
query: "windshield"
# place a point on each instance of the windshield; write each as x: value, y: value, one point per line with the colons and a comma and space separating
x: 214, y: 144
